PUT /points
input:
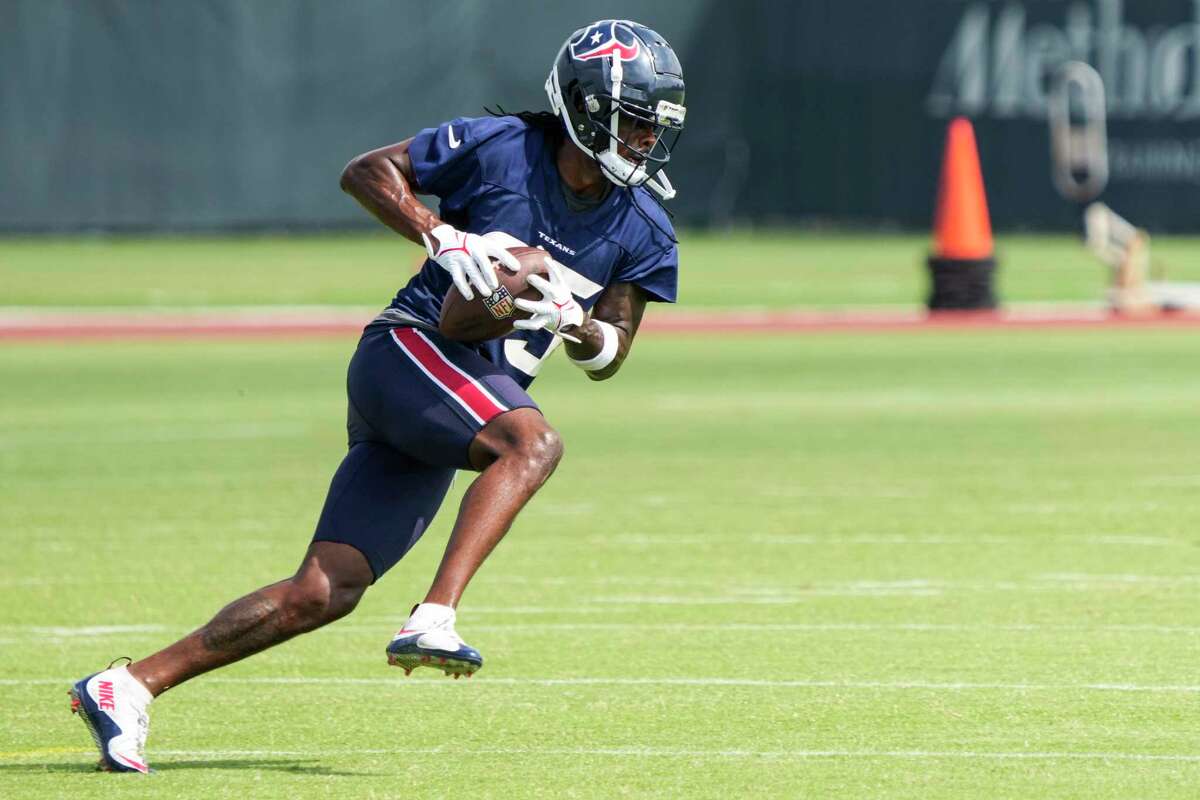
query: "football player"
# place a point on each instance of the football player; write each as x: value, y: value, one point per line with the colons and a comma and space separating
x: 585, y: 183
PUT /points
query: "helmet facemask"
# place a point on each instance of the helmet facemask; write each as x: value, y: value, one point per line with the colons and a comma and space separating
x: 622, y: 161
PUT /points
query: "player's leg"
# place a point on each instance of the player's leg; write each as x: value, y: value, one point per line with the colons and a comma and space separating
x: 515, y: 453
x: 379, y: 504
x: 114, y: 703
x: 473, y: 416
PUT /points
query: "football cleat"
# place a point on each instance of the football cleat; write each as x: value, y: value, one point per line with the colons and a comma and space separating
x: 115, y: 708
x: 428, y: 639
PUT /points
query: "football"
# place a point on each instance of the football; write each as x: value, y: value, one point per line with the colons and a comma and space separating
x: 492, y: 317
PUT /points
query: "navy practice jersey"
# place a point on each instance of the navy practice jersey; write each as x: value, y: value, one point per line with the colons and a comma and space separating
x: 498, y: 174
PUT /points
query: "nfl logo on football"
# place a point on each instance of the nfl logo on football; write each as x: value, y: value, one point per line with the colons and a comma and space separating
x: 500, y: 303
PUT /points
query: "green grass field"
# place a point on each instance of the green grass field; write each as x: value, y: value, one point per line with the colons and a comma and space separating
x: 942, y: 564
x: 771, y: 269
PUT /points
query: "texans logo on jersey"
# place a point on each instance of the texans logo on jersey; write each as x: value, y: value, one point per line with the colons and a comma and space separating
x: 610, y: 40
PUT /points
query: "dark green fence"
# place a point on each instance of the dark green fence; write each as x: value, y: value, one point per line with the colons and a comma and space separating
x: 213, y: 114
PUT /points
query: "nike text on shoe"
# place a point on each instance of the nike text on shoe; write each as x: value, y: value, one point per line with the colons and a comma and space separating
x: 115, y: 708
x: 428, y: 640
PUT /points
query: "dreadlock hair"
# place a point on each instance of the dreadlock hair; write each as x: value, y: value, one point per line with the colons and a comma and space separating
x: 544, y: 121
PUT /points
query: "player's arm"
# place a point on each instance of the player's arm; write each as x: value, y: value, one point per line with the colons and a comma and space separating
x: 617, y: 314
x: 385, y: 183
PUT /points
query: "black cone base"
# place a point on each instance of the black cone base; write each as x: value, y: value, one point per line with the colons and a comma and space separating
x: 958, y: 284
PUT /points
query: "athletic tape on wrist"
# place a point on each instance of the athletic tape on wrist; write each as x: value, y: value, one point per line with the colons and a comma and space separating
x: 608, y: 351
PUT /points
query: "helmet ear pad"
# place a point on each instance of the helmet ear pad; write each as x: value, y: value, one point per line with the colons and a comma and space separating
x: 590, y: 136
x: 585, y: 133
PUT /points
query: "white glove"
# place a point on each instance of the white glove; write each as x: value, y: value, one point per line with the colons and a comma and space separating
x: 556, y: 310
x: 467, y: 257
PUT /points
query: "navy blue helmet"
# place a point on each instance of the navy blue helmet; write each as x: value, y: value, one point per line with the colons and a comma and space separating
x: 615, y: 69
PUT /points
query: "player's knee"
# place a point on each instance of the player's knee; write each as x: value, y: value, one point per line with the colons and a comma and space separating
x: 521, y: 440
x: 314, y: 599
x: 541, y: 451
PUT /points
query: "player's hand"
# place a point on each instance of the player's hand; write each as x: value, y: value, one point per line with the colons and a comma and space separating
x: 468, y: 259
x: 557, y: 311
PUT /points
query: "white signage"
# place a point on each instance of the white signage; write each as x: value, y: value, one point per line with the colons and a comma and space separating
x: 999, y: 65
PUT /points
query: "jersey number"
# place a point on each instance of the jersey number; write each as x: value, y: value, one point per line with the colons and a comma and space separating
x: 515, y: 349
x: 519, y: 356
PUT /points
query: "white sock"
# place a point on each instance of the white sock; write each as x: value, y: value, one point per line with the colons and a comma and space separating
x: 430, y: 615
x: 132, y: 686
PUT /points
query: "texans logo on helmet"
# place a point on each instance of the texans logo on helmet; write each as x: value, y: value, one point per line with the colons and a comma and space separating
x: 610, y: 40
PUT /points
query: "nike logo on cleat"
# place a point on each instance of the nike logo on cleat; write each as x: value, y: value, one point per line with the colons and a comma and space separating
x: 106, y: 700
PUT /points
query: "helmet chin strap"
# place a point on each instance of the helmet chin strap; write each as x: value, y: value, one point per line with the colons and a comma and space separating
x: 660, y: 184
x: 623, y: 173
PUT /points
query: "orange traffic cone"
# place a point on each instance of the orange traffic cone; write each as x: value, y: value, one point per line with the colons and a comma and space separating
x: 962, y: 264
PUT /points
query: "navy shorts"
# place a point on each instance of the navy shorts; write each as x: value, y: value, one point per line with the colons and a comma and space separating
x: 417, y: 399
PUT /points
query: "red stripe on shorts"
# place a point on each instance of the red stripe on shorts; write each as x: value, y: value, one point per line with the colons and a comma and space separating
x: 466, y: 391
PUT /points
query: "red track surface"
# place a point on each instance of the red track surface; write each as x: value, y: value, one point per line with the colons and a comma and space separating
x: 292, y: 323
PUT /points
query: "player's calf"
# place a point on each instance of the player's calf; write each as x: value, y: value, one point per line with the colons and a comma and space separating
x: 327, y: 586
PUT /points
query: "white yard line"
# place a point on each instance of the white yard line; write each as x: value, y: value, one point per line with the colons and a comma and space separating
x: 24, y: 634
x: 84, y: 630
x: 635, y: 539
x: 754, y: 683
x: 962, y: 541
x: 812, y: 627
x: 887, y: 539
x: 791, y: 597
x: 915, y: 587
x: 646, y: 752
x: 675, y: 682
x: 216, y: 432
x: 1079, y: 577
x: 1040, y: 582
x: 653, y: 752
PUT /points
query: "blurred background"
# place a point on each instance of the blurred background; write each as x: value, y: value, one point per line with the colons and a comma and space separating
x: 126, y: 115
